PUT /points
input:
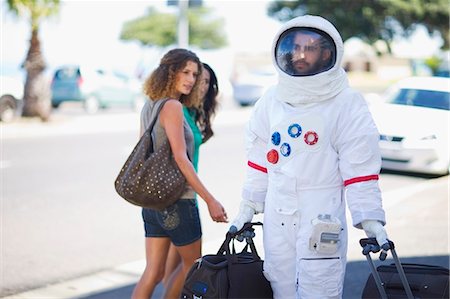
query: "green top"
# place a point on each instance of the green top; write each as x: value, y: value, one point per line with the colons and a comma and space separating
x: 189, y: 115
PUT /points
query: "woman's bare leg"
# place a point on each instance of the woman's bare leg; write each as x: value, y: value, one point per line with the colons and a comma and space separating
x: 189, y: 253
x: 172, y: 263
x: 156, y: 250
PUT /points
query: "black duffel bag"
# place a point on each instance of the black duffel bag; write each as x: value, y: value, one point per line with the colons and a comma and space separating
x: 228, y: 274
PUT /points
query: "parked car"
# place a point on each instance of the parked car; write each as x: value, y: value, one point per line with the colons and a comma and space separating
x: 250, y: 85
x: 95, y: 88
x: 10, y: 98
x: 442, y: 73
x: 414, y: 126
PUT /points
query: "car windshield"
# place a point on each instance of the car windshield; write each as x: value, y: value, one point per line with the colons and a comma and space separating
x: 67, y: 74
x: 422, y: 98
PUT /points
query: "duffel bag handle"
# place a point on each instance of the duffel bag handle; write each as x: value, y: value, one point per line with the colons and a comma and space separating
x: 248, y: 226
x: 247, y: 233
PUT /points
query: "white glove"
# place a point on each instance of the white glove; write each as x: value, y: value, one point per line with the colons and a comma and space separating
x: 247, y: 209
x: 374, y: 229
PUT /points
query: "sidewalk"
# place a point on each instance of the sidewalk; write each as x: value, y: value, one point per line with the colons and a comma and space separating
x: 66, y: 124
x: 111, y: 282
x: 115, y: 283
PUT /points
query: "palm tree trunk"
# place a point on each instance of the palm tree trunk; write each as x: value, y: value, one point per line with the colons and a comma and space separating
x: 37, y: 94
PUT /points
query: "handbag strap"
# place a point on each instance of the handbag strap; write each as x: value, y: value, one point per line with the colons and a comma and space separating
x: 152, y: 124
x: 155, y: 118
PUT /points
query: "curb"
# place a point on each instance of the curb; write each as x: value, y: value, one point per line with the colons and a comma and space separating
x: 103, y: 281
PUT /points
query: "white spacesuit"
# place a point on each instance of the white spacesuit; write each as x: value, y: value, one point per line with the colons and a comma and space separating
x: 312, y: 147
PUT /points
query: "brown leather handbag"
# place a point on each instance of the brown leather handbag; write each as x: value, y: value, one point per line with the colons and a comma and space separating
x: 150, y: 178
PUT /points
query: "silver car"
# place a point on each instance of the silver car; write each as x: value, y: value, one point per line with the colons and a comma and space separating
x: 95, y: 88
x: 414, y: 126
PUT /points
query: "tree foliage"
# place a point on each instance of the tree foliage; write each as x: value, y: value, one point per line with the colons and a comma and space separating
x: 160, y: 29
x: 372, y: 20
x: 37, y: 94
x: 34, y: 10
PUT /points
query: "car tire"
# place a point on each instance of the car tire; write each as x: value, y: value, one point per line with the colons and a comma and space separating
x: 8, y: 108
x: 91, y: 105
x: 244, y: 104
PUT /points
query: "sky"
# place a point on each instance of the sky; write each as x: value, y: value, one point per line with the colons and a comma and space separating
x: 87, y: 32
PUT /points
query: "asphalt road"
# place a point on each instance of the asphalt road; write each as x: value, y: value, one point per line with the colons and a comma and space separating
x: 61, y: 217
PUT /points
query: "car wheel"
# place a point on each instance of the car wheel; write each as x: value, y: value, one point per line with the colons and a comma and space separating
x: 91, y: 105
x: 7, y: 108
x: 242, y: 104
x: 55, y: 105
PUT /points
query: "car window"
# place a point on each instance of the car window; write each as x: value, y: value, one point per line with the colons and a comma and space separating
x: 67, y: 74
x: 422, y: 98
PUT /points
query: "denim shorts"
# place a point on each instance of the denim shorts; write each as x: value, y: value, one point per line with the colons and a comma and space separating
x: 180, y: 222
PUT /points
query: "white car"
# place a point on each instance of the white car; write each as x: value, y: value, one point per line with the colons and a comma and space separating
x: 11, y: 95
x: 414, y: 125
x: 249, y: 86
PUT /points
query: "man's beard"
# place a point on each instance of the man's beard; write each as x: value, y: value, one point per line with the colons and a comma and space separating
x: 302, y: 67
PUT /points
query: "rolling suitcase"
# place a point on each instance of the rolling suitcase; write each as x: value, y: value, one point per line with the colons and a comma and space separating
x: 399, y: 281
x: 229, y: 274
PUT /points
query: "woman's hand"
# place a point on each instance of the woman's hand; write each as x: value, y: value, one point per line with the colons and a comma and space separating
x: 217, y: 211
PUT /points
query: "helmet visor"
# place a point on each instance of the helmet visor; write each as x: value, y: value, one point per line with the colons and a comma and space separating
x: 302, y: 51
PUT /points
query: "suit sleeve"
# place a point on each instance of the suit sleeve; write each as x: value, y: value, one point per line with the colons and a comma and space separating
x: 256, y: 136
x: 360, y: 161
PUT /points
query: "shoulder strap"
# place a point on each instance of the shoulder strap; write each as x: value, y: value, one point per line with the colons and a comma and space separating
x: 155, y: 117
x: 152, y: 124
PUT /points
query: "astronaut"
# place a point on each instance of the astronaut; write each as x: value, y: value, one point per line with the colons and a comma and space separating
x: 312, y: 148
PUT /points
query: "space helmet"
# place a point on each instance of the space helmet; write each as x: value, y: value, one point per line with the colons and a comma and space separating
x: 305, y: 51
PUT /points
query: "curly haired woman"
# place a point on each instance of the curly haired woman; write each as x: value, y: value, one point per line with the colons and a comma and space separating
x: 176, y: 79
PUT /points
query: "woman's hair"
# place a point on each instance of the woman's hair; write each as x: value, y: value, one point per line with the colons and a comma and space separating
x: 161, y: 82
x: 209, y: 106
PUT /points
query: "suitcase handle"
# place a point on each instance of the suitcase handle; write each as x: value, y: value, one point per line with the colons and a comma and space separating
x: 371, y: 245
x: 373, y: 241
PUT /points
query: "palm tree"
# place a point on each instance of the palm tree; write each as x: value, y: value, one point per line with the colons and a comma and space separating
x: 37, y: 95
